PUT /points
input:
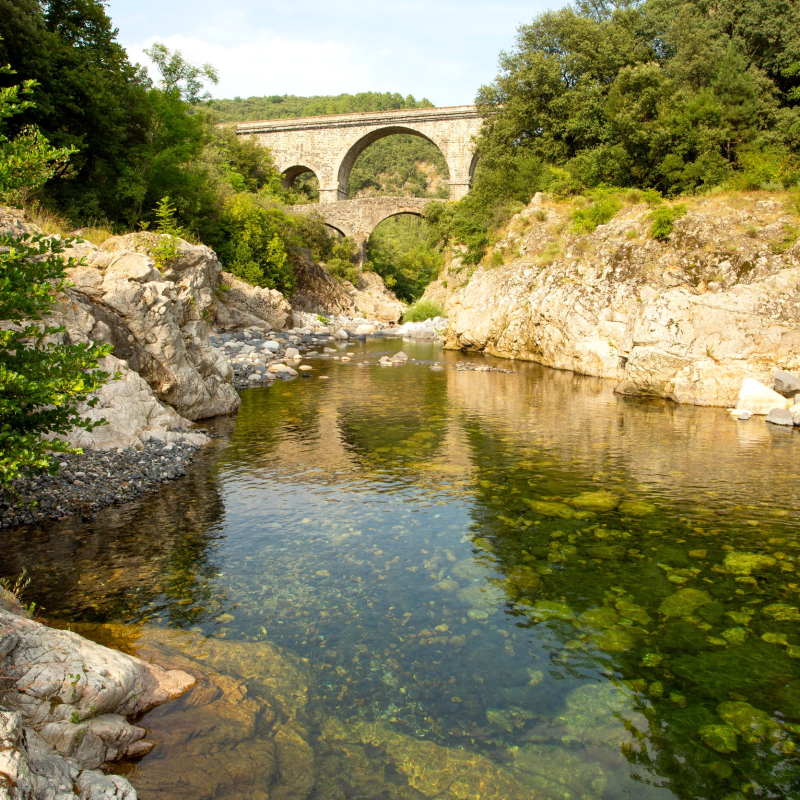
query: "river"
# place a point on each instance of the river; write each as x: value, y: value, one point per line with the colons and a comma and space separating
x: 589, y: 596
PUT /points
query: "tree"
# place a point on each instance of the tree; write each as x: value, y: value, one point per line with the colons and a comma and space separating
x: 179, y: 75
x: 42, y: 377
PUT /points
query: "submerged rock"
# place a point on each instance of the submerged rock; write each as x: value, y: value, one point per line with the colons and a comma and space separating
x: 600, y: 502
x: 746, y: 563
x: 684, y: 602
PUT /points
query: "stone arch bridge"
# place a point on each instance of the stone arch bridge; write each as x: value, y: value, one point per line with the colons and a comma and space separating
x: 329, y: 147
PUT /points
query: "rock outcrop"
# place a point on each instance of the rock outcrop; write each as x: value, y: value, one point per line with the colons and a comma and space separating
x: 240, y: 305
x: 157, y: 320
x: 318, y: 292
x: 64, y: 708
x: 686, y: 319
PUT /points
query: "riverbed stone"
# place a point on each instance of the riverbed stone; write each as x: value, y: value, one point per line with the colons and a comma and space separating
x: 684, y: 602
x: 786, y: 384
x: 601, y: 501
x: 781, y: 416
x: 757, y: 398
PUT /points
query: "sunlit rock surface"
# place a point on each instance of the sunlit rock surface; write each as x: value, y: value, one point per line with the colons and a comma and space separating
x: 687, y: 319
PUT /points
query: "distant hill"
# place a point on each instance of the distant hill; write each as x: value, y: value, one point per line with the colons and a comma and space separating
x: 289, y: 105
x: 400, y: 165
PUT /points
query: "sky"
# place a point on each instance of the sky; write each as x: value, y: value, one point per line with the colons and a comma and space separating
x: 440, y: 49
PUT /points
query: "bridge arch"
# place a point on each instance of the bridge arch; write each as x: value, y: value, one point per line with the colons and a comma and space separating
x: 290, y: 174
x: 349, y: 157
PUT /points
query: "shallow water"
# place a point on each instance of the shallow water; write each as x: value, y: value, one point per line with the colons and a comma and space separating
x: 588, y: 596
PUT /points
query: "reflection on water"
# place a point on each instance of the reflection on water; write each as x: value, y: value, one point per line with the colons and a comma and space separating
x: 399, y: 583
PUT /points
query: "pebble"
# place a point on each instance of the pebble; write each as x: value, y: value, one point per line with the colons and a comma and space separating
x: 95, y: 479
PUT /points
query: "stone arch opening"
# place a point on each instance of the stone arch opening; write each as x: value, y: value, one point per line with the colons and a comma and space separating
x: 304, y: 181
x: 400, y: 250
x: 350, y: 158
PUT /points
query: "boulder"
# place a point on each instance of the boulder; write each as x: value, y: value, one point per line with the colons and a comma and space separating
x: 365, y: 330
x: 238, y: 304
x: 65, y: 706
x: 154, y: 318
x: 374, y: 301
x: 786, y: 384
x: 780, y: 416
x: 757, y: 398
x: 341, y: 334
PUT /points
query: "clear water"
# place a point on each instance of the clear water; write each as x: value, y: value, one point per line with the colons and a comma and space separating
x: 588, y: 596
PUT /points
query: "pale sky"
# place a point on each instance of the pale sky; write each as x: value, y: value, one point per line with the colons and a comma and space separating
x: 440, y: 49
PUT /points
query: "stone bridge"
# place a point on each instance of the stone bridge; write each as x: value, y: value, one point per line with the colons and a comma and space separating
x: 329, y: 146
x: 358, y: 218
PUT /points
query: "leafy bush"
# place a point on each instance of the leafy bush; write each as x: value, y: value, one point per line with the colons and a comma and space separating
x: 341, y: 263
x: 400, y: 251
x: 603, y: 206
x: 663, y: 219
x: 254, y: 246
x: 423, y: 310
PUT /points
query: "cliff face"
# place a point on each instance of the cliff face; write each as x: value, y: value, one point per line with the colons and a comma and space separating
x: 686, y: 319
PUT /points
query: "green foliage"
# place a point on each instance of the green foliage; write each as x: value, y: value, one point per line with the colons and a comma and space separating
x: 663, y: 219
x: 341, y: 262
x: 401, y: 252
x: 42, y: 377
x: 423, y: 310
x: 167, y: 248
x: 603, y: 206
x: 27, y: 161
x: 288, y: 105
x: 663, y: 94
x: 396, y: 165
x: 254, y: 248
x: 180, y: 75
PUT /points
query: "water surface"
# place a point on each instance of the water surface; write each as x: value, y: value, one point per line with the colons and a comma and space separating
x: 585, y: 596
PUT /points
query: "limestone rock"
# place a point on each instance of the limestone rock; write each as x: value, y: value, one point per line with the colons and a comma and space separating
x: 781, y: 416
x: 757, y: 398
x: 133, y: 413
x: 240, y: 305
x: 317, y: 291
x: 603, y: 307
x: 786, y: 384
x: 71, y: 698
x: 374, y: 301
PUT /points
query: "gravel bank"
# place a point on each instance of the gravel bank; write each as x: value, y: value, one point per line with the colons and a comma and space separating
x: 93, y: 480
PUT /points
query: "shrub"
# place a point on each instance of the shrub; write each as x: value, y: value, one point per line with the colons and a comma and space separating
x: 663, y: 219
x: 605, y: 203
x: 341, y: 263
x: 423, y: 310
x: 254, y: 247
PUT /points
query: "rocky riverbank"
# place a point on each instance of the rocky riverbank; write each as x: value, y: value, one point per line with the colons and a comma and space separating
x: 687, y: 318
x: 95, y: 479
x: 64, y: 709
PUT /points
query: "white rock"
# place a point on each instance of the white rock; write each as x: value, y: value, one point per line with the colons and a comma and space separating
x: 272, y: 346
x: 757, y: 398
x: 305, y: 367
x: 365, y: 330
x: 292, y: 352
x: 340, y: 334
